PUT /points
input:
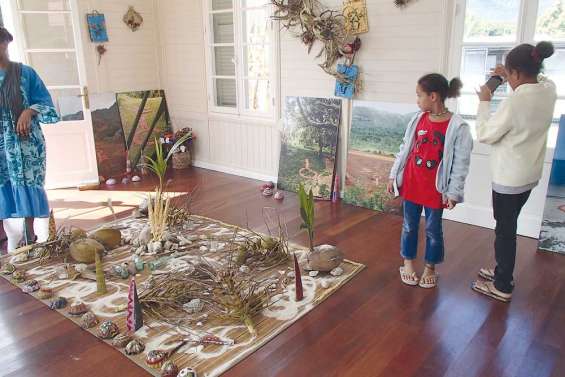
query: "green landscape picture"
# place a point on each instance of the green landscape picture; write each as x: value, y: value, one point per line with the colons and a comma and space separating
x: 309, y: 144
x: 377, y: 130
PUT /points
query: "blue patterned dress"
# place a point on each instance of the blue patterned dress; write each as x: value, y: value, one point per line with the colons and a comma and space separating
x: 22, y: 160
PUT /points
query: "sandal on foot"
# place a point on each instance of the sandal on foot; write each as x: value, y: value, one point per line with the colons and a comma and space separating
x: 487, y: 273
x: 487, y: 288
x: 428, y: 281
x: 408, y: 278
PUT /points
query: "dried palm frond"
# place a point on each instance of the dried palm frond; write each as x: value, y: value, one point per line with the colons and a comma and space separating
x: 158, y: 214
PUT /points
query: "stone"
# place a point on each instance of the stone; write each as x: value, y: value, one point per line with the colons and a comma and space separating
x: 338, y: 271
x: 325, y: 284
x: 136, y: 178
x: 157, y: 247
x: 125, y: 180
x: 313, y: 274
x: 203, y: 248
x: 279, y: 195
x: 168, y: 245
x: 324, y: 258
x: 111, y: 182
x: 291, y: 274
x: 193, y: 306
x: 244, y: 269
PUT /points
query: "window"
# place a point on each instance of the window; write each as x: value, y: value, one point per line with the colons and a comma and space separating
x: 240, y: 56
x: 486, y: 30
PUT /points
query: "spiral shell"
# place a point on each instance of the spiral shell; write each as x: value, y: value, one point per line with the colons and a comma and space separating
x: 58, y: 303
x: 30, y: 286
x: 78, y: 309
x: 108, y: 330
x: 169, y: 369
x: 135, y: 347
x: 88, y: 320
x: 155, y: 359
x: 122, y: 340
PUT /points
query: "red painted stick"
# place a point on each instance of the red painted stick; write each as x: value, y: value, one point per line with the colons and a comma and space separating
x: 298, y: 280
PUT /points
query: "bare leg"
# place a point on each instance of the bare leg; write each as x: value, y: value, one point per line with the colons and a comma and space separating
x: 14, y: 229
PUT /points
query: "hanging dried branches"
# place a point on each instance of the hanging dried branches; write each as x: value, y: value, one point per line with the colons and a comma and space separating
x: 312, y: 22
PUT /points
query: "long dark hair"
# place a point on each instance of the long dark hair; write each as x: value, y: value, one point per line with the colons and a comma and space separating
x: 5, y: 35
x: 434, y: 82
x: 528, y: 59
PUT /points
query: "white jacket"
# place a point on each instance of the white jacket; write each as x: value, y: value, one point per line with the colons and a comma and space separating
x: 517, y: 133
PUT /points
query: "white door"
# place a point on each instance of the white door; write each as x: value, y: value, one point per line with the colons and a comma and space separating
x: 47, y: 37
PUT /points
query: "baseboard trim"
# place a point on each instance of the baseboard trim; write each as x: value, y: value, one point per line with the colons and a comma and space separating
x: 234, y: 171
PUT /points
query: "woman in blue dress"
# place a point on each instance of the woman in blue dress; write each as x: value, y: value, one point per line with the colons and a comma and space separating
x: 24, y: 104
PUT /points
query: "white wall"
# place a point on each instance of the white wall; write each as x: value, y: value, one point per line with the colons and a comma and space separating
x: 132, y: 60
x: 402, y: 45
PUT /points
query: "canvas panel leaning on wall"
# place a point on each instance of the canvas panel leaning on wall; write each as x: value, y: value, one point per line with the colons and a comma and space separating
x: 552, y: 236
x: 377, y: 131
x: 309, y: 144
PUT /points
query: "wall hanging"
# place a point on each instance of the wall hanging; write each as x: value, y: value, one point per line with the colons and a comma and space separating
x: 356, y: 18
x: 97, y: 27
x: 312, y: 22
x: 100, y: 50
x: 133, y: 19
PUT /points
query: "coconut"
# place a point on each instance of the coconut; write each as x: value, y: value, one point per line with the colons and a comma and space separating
x: 110, y: 238
x: 78, y: 234
x: 83, y: 251
x: 324, y: 258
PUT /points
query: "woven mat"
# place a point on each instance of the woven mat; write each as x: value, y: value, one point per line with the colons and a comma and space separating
x: 207, y: 360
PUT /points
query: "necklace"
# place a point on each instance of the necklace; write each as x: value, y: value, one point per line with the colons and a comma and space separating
x: 440, y: 114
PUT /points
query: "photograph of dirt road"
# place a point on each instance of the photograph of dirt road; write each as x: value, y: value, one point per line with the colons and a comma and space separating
x: 309, y: 144
x: 377, y: 130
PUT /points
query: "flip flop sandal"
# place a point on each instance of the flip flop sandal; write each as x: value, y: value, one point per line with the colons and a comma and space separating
x: 408, y: 279
x: 487, y: 288
x: 429, y: 281
x: 487, y: 273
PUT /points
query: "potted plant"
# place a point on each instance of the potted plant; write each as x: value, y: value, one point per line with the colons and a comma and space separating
x: 182, y: 158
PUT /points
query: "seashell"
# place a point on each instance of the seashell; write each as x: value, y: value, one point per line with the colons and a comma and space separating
x: 88, y: 320
x: 325, y: 284
x: 279, y: 195
x: 135, y: 347
x: 108, y: 330
x: 8, y: 269
x: 157, y: 247
x: 313, y: 274
x: 291, y: 274
x: 136, y: 178
x: 77, y: 234
x: 193, y: 306
x: 58, y: 303
x: 268, y: 192
x: 44, y: 293
x: 78, y: 308
x: 109, y: 238
x: 111, y: 182
x: 30, y: 286
x: 20, y: 258
x: 169, y: 369
x: 83, y: 251
x: 168, y: 245
x: 155, y: 359
x: 125, y: 180
x: 324, y: 258
x: 187, y: 372
x: 122, y: 340
x: 203, y: 248
x: 19, y: 276
x: 338, y: 271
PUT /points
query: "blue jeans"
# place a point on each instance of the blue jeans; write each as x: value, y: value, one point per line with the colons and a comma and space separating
x: 434, y: 233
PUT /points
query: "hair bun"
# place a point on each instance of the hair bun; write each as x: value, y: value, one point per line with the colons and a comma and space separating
x: 544, y: 49
x: 455, y: 86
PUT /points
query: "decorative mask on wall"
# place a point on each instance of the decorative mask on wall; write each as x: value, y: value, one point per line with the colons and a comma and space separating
x: 133, y: 19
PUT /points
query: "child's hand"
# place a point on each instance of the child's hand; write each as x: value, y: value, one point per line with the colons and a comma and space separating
x: 450, y: 203
x: 390, y: 186
x: 484, y: 94
x: 500, y: 70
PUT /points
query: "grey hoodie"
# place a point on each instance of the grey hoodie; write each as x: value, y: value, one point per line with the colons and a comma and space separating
x: 454, y: 167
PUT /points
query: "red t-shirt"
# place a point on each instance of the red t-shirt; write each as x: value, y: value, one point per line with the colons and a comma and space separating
x: 419, y: 182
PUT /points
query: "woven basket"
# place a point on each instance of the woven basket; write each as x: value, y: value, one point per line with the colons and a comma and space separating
x: 182, y: 160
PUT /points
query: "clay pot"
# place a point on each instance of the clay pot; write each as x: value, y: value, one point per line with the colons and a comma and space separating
x: 324, y: 258
x: 83, y: 251
x: 109, y: 238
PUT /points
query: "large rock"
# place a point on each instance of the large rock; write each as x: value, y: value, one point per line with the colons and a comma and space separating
x: 324, y: 258
x: 83, y: 251
x: 109, y: 238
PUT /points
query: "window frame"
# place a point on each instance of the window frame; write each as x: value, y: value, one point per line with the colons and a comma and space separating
x: 240, y: 75
x: 525, y: 33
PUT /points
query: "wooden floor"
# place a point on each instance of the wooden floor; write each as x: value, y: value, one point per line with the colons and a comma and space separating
x: 374, y: 326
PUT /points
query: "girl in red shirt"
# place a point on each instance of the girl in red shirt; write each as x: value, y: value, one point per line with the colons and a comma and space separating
x: 424, y: 179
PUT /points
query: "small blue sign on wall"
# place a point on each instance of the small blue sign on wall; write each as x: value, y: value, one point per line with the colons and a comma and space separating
x: 97, y: 27
x: 346, y: 89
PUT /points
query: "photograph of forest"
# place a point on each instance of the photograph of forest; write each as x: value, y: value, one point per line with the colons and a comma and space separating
x: 377, y: 130
x: 309, y: 144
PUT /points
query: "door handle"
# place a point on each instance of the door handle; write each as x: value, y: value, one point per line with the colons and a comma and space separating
x: 85, y: 97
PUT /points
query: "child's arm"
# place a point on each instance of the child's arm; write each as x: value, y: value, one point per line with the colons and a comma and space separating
x: 402, y: 150
x: 490, y: 129
x: 460, y: 165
